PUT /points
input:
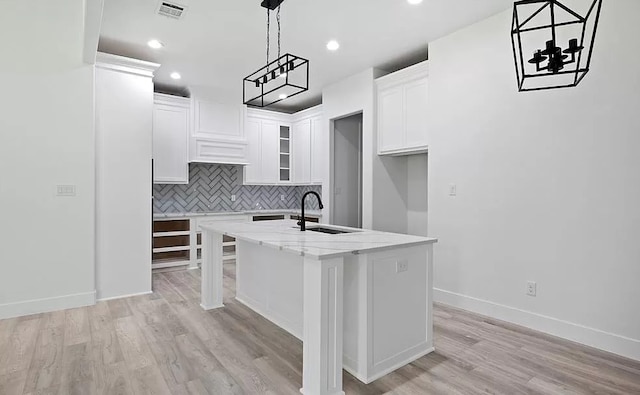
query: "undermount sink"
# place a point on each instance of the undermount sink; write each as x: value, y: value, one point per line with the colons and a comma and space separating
x: 330, y: 231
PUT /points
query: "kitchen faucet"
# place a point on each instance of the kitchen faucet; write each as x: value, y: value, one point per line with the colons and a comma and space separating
x: 302, y: 224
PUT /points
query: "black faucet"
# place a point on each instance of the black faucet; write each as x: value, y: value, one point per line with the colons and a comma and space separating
x: 302, y: 224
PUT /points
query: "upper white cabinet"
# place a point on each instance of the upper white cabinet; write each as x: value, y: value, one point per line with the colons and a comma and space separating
x: 319, y: 151
x: 285, y: 149
x: 170, y: 139
x: 218, y: 134
x: 403, y: 111
x: 263, y: 139
x: 301, y: 141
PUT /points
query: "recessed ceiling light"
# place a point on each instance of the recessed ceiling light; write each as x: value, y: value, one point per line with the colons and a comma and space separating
x: 175, y: 75
x: 333, y: 45
x: 155, y: 44
x: 414, y: 1
x: 283, y: 96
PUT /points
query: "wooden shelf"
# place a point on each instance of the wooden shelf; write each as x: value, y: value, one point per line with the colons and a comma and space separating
x: 172, y: 249
x: 168, y: 264
x: 170, y: 234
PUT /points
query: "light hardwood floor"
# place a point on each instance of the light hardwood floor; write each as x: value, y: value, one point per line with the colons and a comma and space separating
x: 166, y: 344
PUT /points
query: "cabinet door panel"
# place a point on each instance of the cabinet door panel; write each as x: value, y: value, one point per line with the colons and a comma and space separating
x: 319, y: 153
x: 301, y: 138
x: 416, y: 117
x: 253, y: 171
x: 270, y: 152
x: 217, y: 120
x: 170, y: 145
x: 391, y: 119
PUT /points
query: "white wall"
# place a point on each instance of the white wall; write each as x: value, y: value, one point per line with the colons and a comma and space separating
x: 417, y: 195
x: 384, y: 180
x: 548, y: 185
x: 46, y: 139
x: 124, y: 108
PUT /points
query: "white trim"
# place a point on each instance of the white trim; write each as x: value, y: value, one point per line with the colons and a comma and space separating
x: 423, y: 149
x: 36, y: 306
x: 617, y: 344
x: 125, y: 296
x: 172, y: 100
x: 307, y: 114
x: 92, y: 24
x: 375, y: 376
x: 408, y: 74
x: 125, y: 65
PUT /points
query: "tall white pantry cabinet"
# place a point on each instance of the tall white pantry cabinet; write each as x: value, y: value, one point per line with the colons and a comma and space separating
x: 124, y: 116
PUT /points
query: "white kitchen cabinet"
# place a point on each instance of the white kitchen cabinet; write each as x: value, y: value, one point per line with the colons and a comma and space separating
x: 270, y: 159
x: 217, y: 132
x: 301, y: 157
x: 170, y: 139
x: 403, y: 111
x: 285, y: 149
x: 253, y: 132
x: 319, y: 152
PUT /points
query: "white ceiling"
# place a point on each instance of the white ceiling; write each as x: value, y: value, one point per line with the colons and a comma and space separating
x: 217, y: 43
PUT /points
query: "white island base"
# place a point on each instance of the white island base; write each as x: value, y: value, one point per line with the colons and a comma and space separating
x: 361, y: 300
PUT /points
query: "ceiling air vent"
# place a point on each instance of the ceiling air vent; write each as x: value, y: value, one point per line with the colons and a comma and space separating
x: 171, y: 10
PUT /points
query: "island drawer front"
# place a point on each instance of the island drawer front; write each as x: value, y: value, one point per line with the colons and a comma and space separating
x: 231, y: 217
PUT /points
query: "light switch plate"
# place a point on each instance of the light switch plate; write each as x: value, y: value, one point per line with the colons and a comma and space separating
x: 66, y: 190
x: 233, y: 198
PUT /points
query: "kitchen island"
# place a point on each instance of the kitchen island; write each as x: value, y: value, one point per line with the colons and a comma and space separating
x: 360, y: 299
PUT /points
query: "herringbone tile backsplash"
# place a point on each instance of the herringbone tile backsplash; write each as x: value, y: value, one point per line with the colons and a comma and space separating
x: 211, y: 186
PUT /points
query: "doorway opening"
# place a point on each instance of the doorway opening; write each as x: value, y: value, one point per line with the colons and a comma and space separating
x: 347, y: 171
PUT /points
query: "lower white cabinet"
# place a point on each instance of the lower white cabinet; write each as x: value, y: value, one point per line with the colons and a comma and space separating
x: 170, y: 140
x: 403, y: 111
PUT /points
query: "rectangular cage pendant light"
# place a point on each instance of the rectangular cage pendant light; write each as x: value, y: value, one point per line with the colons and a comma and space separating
x: 283, y: 78
x: 553, y: 44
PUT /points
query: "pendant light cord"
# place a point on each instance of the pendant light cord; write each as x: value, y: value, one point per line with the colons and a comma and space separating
x: 268, y: 31
x: 278, y: 19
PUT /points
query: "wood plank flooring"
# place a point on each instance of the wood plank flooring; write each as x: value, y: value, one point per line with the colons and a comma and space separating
x: 165, y: 343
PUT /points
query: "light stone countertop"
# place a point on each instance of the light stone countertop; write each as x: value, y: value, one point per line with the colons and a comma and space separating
x: 287, y: 237
x: 308, y: 213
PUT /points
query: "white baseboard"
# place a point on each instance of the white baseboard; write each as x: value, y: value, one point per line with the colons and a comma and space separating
x: 46, y: 305
x: 396, y: 362
x: 617, y: 344
x: 124, y: 296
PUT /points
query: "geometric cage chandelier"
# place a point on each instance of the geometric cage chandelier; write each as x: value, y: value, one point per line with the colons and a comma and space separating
x: 552, y: 43
x: 282, y: 78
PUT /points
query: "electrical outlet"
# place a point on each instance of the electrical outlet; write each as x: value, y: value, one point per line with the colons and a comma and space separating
x: 233, y: 198
x: 282, y: 197
x: 402, y: 266
x: 453, y: 190
x: 66, y: 190
x: 531, y: 288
